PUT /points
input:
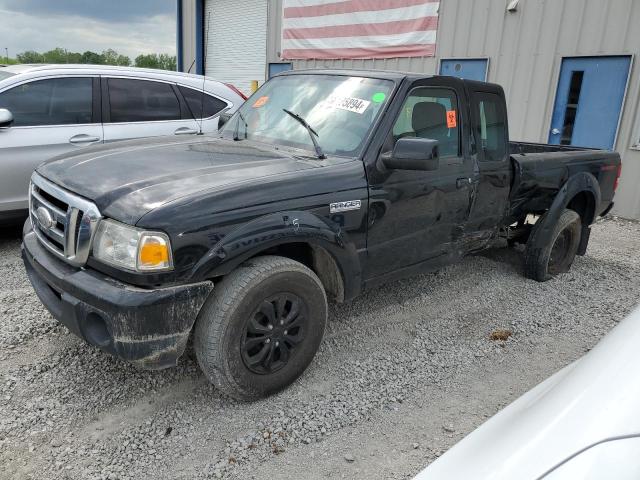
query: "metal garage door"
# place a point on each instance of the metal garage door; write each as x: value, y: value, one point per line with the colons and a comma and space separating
x: 236, y: 41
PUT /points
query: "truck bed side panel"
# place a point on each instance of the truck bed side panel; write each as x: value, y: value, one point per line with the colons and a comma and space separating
x: 541, y: 170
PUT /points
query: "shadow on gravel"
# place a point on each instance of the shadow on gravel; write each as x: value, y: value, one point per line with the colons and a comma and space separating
x: 10, y: 232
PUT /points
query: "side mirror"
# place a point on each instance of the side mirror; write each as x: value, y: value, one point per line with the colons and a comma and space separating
x: 411, y: 153
x: 223, y: 118
x: 6, y: 118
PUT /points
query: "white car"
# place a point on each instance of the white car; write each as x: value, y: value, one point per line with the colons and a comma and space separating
x: 48, y: 110
x: 581, y: 423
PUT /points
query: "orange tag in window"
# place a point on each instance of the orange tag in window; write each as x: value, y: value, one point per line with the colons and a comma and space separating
x: 260, y: 102
x: 451, y: 119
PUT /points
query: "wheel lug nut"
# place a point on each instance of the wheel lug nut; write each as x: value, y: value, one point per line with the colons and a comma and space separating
x: 285, y: 332
x: 268, y: 340
x: 277, y: 343
x: 281, y: 322
x: 270, y: 327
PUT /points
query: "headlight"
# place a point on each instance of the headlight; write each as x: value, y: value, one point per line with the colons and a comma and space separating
x: 128, y: 247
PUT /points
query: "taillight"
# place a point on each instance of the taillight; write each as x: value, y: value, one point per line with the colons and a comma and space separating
x: 618, y: 172
x: 232, y: 87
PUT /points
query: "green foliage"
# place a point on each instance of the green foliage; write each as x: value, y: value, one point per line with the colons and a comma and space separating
x: 107, y: 57
x: 162, y: 61
x: 30, y: 57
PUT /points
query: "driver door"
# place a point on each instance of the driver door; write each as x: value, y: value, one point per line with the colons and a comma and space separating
x: 417, y: 217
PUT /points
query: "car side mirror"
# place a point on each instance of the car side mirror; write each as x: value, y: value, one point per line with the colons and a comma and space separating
x: 414, y: 153
x: 223, y: 118
x: 6, y: 118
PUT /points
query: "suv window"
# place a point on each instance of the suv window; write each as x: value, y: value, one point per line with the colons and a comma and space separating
x: 201, y: 107
x: 430, y: 113
x: 55, y: 101
x: 142, y: 101
x: 491, y: 127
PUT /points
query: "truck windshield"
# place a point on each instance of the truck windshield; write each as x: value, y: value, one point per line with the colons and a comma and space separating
x: 341, y: 109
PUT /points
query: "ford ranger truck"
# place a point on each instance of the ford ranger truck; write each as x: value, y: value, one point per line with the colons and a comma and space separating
x: 323, y: 184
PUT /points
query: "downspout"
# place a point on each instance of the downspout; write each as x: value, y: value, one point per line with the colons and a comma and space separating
x: 200, y: 37
x: 179, y: 53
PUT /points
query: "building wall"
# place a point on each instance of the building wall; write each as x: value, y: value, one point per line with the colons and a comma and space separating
x: 525, y: 49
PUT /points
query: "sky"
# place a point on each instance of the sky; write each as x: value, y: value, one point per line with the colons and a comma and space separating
x: 130, y: 27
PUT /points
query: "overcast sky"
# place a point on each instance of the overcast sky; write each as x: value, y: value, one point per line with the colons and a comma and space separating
x: 130, y: 27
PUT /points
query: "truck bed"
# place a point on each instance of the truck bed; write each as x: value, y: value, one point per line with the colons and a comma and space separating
x: 540, y: 170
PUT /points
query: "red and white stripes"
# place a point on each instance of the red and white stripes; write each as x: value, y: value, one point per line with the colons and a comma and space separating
x: 329, y: 29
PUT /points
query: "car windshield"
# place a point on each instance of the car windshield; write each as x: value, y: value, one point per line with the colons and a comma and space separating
x: 4, y: 75
x: 340, y: 109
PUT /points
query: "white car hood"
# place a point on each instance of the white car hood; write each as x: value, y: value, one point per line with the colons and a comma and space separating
x: 594, y: 399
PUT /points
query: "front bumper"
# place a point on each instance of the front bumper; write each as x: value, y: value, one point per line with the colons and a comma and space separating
x: 147, y: 327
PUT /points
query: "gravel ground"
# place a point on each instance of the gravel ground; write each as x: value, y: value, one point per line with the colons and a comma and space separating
x: 404, y: 372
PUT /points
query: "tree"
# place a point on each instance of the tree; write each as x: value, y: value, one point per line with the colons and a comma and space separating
x: 107, y: 57
x: 30, y: 57
x: 91, y: 57
x: 111, y: 57
x: 153, y: 60
x: 57, y: 55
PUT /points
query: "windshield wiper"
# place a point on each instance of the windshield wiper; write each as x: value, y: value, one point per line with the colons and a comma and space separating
x: 312, y: 133
x: 237, y: 128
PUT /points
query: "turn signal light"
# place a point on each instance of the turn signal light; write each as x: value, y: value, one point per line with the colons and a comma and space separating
x: 154, y: 253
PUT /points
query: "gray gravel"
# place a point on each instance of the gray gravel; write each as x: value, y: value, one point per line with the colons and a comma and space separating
x: 404, y: 372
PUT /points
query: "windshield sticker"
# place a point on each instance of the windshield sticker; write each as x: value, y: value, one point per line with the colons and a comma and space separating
x: 351, y: 104
x: 378, y: 97
x: 260, y: 102
x: 451, y: 119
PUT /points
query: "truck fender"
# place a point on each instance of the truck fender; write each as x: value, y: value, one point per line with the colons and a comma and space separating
x: 576, y: 184
x: 277, y: 229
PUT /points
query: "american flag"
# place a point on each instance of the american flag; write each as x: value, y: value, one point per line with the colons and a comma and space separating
x: 330, y: 29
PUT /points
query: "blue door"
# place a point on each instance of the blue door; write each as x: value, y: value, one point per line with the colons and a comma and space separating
x: 588, y: 101
x: 467, y: 68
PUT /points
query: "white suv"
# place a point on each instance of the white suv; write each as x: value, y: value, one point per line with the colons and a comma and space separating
x: 48, y: 110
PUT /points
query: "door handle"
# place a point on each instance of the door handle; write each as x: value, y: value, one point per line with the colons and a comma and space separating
x: 185, y: 131
x: 83, y: 138
x: 463, y: 182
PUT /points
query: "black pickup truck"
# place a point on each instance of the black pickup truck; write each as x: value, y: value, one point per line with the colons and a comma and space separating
x: 323, y: 184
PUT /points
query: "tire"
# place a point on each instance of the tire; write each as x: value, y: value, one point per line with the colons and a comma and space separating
x: 268, y: 304
x: 545, y: 259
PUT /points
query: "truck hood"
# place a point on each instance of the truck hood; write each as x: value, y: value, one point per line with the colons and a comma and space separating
x: 128, y: 179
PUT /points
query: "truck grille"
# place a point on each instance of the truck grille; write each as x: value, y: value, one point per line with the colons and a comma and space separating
x: 63, y: 222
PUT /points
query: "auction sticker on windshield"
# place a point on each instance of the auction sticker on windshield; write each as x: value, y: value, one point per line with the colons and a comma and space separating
x: 351, y: 104
x: 260, y: 102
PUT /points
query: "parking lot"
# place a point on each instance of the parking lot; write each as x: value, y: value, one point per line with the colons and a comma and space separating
x: 404, y: 372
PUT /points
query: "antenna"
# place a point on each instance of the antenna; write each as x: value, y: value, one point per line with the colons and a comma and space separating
x: 191, y: 66
x: 204, y: 61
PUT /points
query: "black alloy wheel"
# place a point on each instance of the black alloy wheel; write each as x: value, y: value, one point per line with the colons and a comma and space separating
x: 273, y: 333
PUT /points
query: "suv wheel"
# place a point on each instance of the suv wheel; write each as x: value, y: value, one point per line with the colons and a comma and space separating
x: 261, y: 327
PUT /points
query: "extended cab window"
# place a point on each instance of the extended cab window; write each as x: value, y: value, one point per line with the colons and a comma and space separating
x: 142, y: 101
x: 201, y: 105
x: 430, y: 113
x: 55, y: 101
x: 491, y: 125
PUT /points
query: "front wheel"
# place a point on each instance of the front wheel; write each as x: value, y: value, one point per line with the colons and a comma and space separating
x: 546, y: 258
x: 261, y: 327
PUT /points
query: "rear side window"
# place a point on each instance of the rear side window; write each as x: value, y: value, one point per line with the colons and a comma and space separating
x: 55, y: 101
x: 430, y: 113
x: 201, y: 105
x: 492, y: 130
x: 142, y: 101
